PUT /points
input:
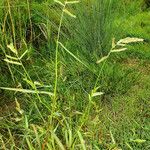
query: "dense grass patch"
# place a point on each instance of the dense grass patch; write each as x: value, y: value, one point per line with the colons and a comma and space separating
x: 54, y: 95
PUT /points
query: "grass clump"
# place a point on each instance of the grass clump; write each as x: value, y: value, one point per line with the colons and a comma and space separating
x: 63, y: 89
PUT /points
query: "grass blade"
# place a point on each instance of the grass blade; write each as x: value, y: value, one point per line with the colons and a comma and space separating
x: 58, y: 141
x: 23, y: 54
x: 72, y: 54
x: 81, y: 140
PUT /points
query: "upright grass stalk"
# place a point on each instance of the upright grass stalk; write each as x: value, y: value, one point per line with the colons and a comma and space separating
x: 54, y: 100
x: 12, y: 23
x: 56, y: 59
x: 64, y: 10
x: 4, y: 37
x: 116, y: 48
x: 29, y: 13
x: 31, y: 82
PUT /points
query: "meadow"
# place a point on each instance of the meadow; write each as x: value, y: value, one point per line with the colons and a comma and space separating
x: 74, y: 75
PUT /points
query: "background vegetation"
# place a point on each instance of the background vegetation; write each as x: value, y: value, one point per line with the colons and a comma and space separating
x: 50, y: 48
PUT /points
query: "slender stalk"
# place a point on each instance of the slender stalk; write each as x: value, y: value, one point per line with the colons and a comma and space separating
x: 97, y: 80
x: 29, y: 13
x: 56, y: 76
x: 28, y: 77
x: 12, y: 23
x: 56, y: 59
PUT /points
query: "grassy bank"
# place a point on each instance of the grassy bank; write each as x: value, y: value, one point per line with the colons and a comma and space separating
x: 57, y: 89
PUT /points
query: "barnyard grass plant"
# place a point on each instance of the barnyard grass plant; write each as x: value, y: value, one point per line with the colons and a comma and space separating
x: 58, y: 100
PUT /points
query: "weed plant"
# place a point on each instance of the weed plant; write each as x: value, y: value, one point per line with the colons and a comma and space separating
x: 65, y: 95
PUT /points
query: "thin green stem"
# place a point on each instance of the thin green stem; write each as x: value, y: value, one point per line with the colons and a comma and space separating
x: 56, y: 59
x: 101, y: 70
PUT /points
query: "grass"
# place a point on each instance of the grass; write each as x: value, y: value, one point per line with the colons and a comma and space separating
x: 56, y: 96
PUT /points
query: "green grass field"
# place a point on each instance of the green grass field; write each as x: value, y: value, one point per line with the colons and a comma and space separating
x: 74, y: 75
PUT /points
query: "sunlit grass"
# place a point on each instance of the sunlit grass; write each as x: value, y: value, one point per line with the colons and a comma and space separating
x: 61, y: 87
